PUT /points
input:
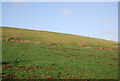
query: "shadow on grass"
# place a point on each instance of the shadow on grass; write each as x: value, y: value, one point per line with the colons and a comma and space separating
x: 3, y: 63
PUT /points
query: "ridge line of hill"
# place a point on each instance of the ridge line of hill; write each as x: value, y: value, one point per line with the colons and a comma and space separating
x: 56, y: 33
x: 57, y: 38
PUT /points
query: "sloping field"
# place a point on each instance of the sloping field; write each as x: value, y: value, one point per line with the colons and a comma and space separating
x: 60, y: 38
x: 31, y: 54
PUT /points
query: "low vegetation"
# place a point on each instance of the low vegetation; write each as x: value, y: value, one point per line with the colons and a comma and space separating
x: 49, y: 55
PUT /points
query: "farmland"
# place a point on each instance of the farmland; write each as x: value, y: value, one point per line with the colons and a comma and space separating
x: 50, y: 55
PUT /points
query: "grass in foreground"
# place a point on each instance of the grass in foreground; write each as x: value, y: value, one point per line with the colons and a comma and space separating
x: 41, y: 61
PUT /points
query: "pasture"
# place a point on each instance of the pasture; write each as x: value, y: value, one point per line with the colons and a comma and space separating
x: 57, y: 56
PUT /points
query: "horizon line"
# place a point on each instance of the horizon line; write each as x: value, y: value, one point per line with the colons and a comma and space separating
x: 56, y: 32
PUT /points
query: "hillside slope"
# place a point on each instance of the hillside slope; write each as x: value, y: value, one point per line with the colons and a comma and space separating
x: 49, y: 55
x: 59, y: 38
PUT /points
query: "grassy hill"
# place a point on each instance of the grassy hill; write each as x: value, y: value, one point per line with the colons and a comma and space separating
x: 50, y: 55
x: 60, y: 38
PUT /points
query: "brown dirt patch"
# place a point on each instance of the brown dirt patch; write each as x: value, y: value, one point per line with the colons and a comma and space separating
x: 26, y: 41
x: 101, y: 48
x: 10, y: 76
x: 6, y: 66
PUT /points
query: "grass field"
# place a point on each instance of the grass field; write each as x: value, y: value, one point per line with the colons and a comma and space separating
x: 67, y: 59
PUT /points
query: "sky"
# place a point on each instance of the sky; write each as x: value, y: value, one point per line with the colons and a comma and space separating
x: 90, y: 19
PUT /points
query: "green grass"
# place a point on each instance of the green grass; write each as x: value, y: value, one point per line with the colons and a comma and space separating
x: 60, y: 38
x: 37, y: 61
